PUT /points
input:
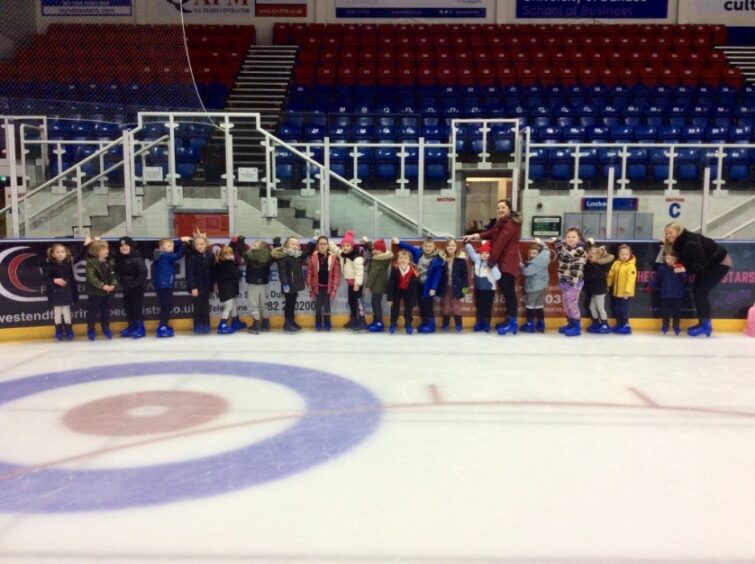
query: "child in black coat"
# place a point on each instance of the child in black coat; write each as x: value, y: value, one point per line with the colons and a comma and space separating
x: 199, y: 281
x: 132, y: 276
x: 290, y: 259
x: 60, y: 285
x: 227, y: 275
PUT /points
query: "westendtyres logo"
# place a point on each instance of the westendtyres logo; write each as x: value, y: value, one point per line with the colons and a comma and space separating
x: 11, y: 284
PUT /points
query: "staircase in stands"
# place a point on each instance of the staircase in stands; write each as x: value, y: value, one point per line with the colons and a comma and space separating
x: 742, y: 57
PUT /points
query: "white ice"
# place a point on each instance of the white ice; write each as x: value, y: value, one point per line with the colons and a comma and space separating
x: 536, y: 448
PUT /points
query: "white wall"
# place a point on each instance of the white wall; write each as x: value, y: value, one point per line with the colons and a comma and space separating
x: 728, y: 12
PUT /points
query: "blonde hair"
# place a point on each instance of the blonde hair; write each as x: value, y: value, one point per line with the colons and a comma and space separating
x: 450, y: 240
x: 225, y: 253
x: 96, y: 246
x: 162, y: 242
x: 404, y: 252
x: 289, y: 238
x: 600, y: 251
x: 51, y: 251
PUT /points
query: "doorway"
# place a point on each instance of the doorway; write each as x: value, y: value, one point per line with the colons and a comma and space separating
x: 480, y: 197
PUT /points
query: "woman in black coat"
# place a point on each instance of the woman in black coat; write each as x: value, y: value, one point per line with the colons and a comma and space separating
x: 704, y: 258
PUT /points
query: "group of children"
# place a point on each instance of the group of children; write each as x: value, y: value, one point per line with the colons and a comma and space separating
x: 417, y: 277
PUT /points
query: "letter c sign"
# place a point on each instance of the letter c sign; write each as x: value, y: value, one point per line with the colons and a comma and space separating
x: 675, y: 210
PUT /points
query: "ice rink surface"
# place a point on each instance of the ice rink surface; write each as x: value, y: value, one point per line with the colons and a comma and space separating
x: 342, y: 448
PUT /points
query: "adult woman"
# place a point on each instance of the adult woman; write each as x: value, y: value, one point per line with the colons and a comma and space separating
x: 704, y: 258
x: 504, y: 236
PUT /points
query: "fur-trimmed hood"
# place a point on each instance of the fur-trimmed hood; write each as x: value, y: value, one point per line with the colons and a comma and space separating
x: 387, y: 255
x: 460, y: 254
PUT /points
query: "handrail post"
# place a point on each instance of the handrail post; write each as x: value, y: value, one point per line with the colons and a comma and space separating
x: 172, y: 176
x: 609, y: 202
x: 128, y: 188
x: 420, y: 185
x: 704, y: 207
x: 229, y: 184
x: 527, y: 151
x: 374, y: 218
x: 326, y: 185
x: 79, y: 201
x: 10, y: 147
x: 719, y: 181
x: 22, y: 132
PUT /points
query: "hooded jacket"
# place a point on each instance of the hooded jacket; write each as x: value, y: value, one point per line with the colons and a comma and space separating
x: 164, y: 266
x: 199, y: 272
x: 505, y: 236
x: 51, y: 269
x: 258, y: 262
x: 352, y: 265
x: 484, y: 276
x: 697, y: 252
x: 622, y: 278
x: 377, y: 274
x: 571, y: 263
x: 100, y: 273
x: 289, y: 268
x: 131, y: 269
x: 437, y: 276
x: 669, y: 282
x: 313, y: 272
x: 227, y: 276
x: 596, y: 275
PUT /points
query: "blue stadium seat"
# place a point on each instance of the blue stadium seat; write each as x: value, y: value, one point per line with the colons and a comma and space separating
x: 436, y: 163
x: 693, y: 134
x: 737, y: 164
x: 57, y: 129
x: 588, y: 163
x: 622, y: 134
x: 677, y: 115
x: 598, y: 134
x: 716, y: 134
x: 538, y: 161
x: 386, y: 163
x: 186, y: 155
x: 561, y: 164
x: 611, y: 115
x: 646, y: 133
x: 741, y: 134
x: 699, y: 116
x: 574, y: 134
x: 549, y: 134
x: 432, y: 129
x: 687, y: 164
x: 669, y: 134
x: 659, y: 162
x: 637, y: 163
x: 106, y: 130
x: 81, y: 130
x: 655, y: 115
x: 633, y: 115
x: 610, y: 158
x: 502, y: 135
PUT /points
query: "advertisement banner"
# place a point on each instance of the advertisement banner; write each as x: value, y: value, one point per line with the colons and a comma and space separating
x: 280, y: 8
x: 739, y: 13
x: 598, y: 9
x: 446, y: 9
x: 23, y: 302
x: 86, y: 8
x: 201, y: 9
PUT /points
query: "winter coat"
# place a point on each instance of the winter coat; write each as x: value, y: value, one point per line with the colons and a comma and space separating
x: 51, y: 269
x: 377, y: 275
x: 200, y: 272
x: 437, y: 277
x: 670, y: 283
x: 622, y: 278
x: 417, y: 256
x: 164, y: 266
x: 313, y: 273
x: 100, y: 274
x: 289, y: 269
x: 258, y: 263
x: 393, y: 285
x: 352, y: 265
x: 484, y: 276
x: 131, y: 270
x: 571, y: 263
x: 697, y: 252
x: 504, y: 236
x: 596, y: 276
x: 227, y: 275
x: 535, y: 271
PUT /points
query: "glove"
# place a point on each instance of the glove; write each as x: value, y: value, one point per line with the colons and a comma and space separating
x: 276, y: 241
x: 286, y: 289
x: 432, y: 293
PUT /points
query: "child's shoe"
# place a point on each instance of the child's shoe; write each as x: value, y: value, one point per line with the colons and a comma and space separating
x: 224, y: 328
x: 318, y: 324
x: 59, y: 332
x: 205, y: 328
x: 376, y: 327
x: 623, y: 330
x: 540, y: 326
x: 361, y: 325
x: 604, y: 329
x: 664, y: 329
x: 129, y: 331
x: 392, y: 329
x: 68, y: 330
x: 704, y: 328
x: 409, y: 329
x: 501, y: 325
x: 107, y: 332
x: 170, y: 330
x: 427, y: 328
x: 197, y: 328
x: 265, y: 326
x: 350, y: 323
x: 594, y: 327
x: 289, y: 327
x: 574, y: 329
x: 163, y: 332
x: 477, y: 327
x: 564, y: 328
x: 459, y: 324
x: 677, y: 330
x: 486, y: 326
x: 254, y: 328
x: 91, y: 334
x: 528, y: 327
x: 511, y: 327
x: 326, y: 323
x: 237, y: 324
x: 446, y: 324
x: 296, y: 325
x: 139, y: 331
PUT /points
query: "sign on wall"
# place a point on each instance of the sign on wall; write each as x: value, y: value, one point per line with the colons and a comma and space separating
x: 731, y: 12
x: 280, y: 8
x: 86, y: 8
x: 413, y: 8
x: 598, y: 9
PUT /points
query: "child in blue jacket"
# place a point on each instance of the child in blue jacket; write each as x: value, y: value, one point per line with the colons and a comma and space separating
x: 164, y: 262
x: 485, y: 279
x: 536, y: 279
x: 449, y: 280
x: 423, y: 257
x: 670, y: 279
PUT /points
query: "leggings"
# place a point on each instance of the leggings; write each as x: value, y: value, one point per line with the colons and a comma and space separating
x: 598, y: 307
x: 133, y: 303
x: 165, y: 299
x: 570, y: 297
x: 671, y: 308
x: 230, y: 309
x: 62, y: 314
x: 356, y: 306
x: 322, y: 303
x: 705, y: 281
x: 377, y: 307
x: 408, y: 299
x: 98, y: 306
x: 620, y: 309
x: 201, y: 308
x: 426, y: 311
x: 507, y: 286
x: 289, y: 307
x: 484, y: 302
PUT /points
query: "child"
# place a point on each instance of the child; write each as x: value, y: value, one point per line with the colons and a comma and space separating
x: 621, y: 279
x: 101, y: 282
x: 199, y: 282
x: 226, y: 276
x: 485, y: 279
x: 423, y: 257
x: 164, y: 262
x: 670, y: 279
x: 258, y: 262
x: 290, y: 258
x: 402, y: 287
x: 60, y: 285
x: 352, y: 266
x: 323, y: 276
x: 377, y: 280
x: 536, y: 279
x: 132, y: 275
x: 451, y: 283
x: 571, y: 263
x: 596, y: 285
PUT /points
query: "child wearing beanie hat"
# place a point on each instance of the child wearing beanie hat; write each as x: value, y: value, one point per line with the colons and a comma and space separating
x: 485, y: 279
x: 377, y: 280
x: 352, y: 267
x: 132, y: 275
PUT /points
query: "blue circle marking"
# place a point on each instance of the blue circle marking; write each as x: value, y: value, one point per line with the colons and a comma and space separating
x: 339, y: 415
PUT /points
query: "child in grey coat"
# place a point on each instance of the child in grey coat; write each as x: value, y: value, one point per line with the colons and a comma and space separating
x: 536, y: 279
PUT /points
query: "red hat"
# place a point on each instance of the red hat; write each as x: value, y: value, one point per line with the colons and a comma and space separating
x: 379, y: 245
x: 486, y: 247
x: 348, y: 238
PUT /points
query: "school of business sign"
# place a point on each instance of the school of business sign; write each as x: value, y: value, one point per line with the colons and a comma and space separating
x: 602, y: 9
x: 446, y: 9
x: 89, y: 8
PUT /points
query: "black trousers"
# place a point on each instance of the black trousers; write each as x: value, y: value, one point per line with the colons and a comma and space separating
x: 705, y: 281
x: 98, y: 306
x: 165, y: 300
x: 133, y: 303
x: 322, y: 303
x: 484, y: 304
x: 289, y: 306
x: 408, y: 299
x: 671, y: 308
x: 426, y: 311
x: 377, y: 307
x: 201, y: 308
x: 507, y: 286
x: 356, y: 306
x: 620, y: 310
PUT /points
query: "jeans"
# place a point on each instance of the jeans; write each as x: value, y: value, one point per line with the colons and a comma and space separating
x: 705, y: 281
x: 98, y: 306
x: 507, y: 286
x: 133, y: 303
x: 165, y: 300
x: 620, y: 309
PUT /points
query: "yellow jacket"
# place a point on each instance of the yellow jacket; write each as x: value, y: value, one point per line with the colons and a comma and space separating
x: 622, y: 278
